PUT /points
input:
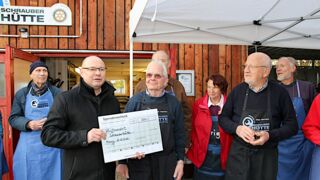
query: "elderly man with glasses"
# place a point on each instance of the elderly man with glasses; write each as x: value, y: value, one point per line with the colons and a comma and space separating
x: 73, y: 124
x: 167, y: 164
x: 258, y: 113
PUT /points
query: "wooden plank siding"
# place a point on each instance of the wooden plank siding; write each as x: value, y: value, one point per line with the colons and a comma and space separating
x: 105, y: 26
x: 51, y: 43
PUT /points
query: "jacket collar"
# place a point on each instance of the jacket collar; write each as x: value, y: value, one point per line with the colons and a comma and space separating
x: 89, y: 91
x: 204, y: 101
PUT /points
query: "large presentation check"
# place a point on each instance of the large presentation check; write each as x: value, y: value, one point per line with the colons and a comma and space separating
x: 128, y: 133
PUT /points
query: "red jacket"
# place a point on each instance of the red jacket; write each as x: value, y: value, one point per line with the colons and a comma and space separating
x: 311, y: 125
x: 200, y: 134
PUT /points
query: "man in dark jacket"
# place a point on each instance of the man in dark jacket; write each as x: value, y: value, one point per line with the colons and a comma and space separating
x: 73, y: 124
x: 258, y: 113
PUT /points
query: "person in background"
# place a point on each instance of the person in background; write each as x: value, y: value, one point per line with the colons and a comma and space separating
x: 209, y: 143
x: 174, y: 87
x: 32, y: 160
x: 295, y: 153
x: 311, y: 130
x: 3, y: 162
x: 167, y: 164
x: 258, y: 113
x: 73, y: 124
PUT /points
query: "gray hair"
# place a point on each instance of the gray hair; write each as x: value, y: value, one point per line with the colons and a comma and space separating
x: 292, y: 61
x: 159, y: 63
x: 161, y: 55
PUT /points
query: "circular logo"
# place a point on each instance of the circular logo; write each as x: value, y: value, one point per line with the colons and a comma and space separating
x: 59, y: 15
x: 34, y: 103
x: 218, y: 135
x: 248, y: 121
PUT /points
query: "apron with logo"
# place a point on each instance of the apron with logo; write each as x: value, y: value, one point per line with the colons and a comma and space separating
x: 211, y: 167
x: 161, y: 165
x: 314, y: 172
x: 295, y: 153
x: 246, y: 162
x: 32, y: 160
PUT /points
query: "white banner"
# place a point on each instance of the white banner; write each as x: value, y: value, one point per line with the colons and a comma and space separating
x: 57, y: 15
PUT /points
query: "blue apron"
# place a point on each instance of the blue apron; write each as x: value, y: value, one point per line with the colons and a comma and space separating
x: 314, y: 172
x: 32, y: 160
x: 211, y: 167
x: 295, y: 153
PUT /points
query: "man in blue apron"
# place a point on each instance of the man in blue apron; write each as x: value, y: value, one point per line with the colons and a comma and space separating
x: 167, y: 164
x: 258, y: 113
x: 32, y: 160
x: 295, y: 154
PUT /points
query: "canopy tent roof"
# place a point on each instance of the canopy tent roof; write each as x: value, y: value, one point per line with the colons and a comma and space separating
x: 276, y: 23
x: 280, y: 23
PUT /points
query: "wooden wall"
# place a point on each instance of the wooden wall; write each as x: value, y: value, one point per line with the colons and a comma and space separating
x: 105, y: 27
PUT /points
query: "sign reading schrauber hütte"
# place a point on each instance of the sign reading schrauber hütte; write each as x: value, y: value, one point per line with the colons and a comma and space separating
x: 57, y: 15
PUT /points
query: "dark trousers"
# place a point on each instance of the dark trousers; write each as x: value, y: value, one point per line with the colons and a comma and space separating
x: 152, y: 167
x: 245, y: 163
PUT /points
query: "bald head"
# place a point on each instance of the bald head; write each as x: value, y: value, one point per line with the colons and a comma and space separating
x: 91, y: 59
x: 162, y: 56
x: 261, y: 58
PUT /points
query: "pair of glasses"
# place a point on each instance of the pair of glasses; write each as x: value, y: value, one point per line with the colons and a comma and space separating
x: 156, y: 76
x: 252, y: 66
x: 94, y: 69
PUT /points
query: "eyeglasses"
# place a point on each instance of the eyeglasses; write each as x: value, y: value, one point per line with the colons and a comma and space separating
x: 156, y: 76
x: 251, y: 66
x: 94, y: 69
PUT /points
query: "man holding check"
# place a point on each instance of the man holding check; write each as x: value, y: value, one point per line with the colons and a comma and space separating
x: 168, y: 163
x: 73, y: 124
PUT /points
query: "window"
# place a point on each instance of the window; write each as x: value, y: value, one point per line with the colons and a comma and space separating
x: 119, y: 85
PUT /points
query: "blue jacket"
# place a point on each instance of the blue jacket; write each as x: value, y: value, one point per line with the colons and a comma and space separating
x: 17, y: 119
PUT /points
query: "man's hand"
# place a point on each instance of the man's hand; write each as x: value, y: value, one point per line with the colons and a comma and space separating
x: 96, y: 135
x: 245, y: 133
x: 262, y: 137
x: 139, y: 155
x: 36, y: 125
x: 178, y: 172
x: 122, y: 169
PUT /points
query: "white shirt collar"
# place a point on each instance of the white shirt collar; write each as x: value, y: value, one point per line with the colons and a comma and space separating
x: 219, y: 104
x: 147, y: 92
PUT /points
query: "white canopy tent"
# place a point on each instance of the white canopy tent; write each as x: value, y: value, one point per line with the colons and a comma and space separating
x: 280, y: 23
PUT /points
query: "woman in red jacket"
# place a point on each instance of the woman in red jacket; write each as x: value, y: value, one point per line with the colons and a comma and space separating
x: 311, y: 130
x: 210, y: 145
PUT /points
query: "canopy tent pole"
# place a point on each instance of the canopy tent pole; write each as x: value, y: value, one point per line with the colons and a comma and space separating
x: 131, y: 67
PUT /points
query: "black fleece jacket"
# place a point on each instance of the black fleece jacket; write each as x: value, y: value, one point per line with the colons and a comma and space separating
x: 72, y: 115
